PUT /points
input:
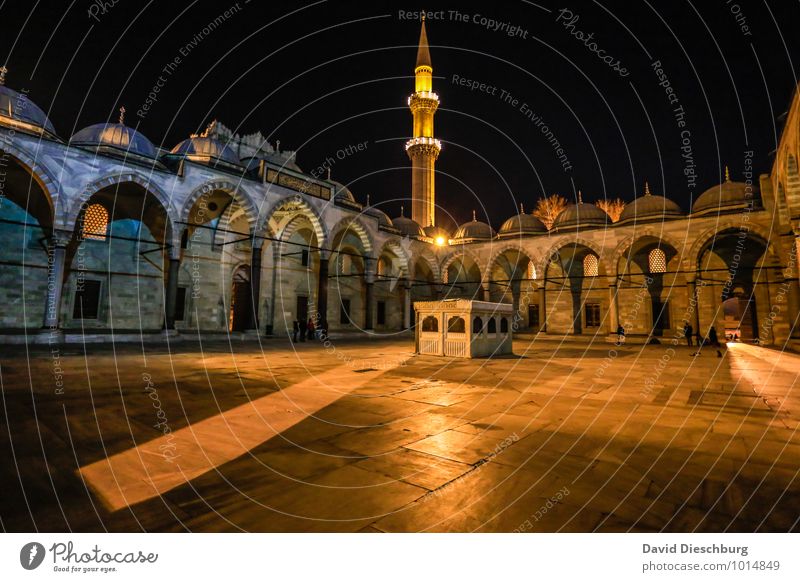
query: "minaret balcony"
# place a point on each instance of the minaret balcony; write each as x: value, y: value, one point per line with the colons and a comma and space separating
x: 425, y: 100
x: 423, y: 145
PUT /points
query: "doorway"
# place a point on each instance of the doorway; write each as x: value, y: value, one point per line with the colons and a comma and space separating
x: 739, y: 316
x: 239, y: 315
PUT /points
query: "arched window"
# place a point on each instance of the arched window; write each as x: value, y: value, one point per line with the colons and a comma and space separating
x: 503, y: 325
x: 531, y: 270
x: 657, y: 261
x: 492, y: 327
x: 477, y: 325
x: 456, y: 325
x: 430, y: 323
x: 590, y: 265
x: 95, y: 222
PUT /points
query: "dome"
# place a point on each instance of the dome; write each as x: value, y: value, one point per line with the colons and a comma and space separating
x: 115, y: 135
x: 475, y: 229
x: 407, y: 227
x: 283, y: 161
x: 581, y: 215
x: 724, y: 195
x: 649, y: 206
x: 521, y: 224
x: 341, y: 192
x: 205, y: 149
x: 383, y: 218
x: 18, y: 106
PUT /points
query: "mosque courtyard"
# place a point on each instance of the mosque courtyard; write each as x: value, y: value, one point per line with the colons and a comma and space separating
x: 365, y: 436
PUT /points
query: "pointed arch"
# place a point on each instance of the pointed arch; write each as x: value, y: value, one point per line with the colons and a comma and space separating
x: 273, y: 228
x: 355, y: 225
x: 44, y: 177
x: 692, y: 258
x: 541, y: 266
x: 397, y: 249
x: 235, y: 191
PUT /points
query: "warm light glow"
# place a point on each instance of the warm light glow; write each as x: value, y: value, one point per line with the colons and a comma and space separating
x: 425, y: 141
x: 440, y: 241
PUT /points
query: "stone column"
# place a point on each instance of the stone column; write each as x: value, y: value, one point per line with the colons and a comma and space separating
x: 276, y: 258
x: 515, y: 298
x: 487, y: 295
x: 406, y: 305
x: 543, y: 307
x: 613, y: 307
x: 369, y: 281
x: 793, y: 307
x: 694, y: 304
x: 173, y: 272
x: 255, y: 284
x: 322, y: 293
x: 56, y: 260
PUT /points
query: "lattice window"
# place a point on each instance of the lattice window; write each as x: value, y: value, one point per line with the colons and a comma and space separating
x: 531, y: 270
x: 658, y: 261
x: 95, y: 222
x: 590, y: 265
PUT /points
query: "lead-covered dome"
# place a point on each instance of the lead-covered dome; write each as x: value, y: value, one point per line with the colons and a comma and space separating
x: 649, y: 207
x: 205, y: 150
x: 522, y: 224
x: 726, y: 195
x: 407, y: 226
x: 581, y: 215
x: 18, y: 107
x: 474, y: 230
x: 341, y: 192
x: 117, y: 136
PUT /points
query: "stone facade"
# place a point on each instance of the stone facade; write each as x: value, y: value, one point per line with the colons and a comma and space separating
x: 193, y: 235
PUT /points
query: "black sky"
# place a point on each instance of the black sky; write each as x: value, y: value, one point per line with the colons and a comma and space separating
x: 322, y: 76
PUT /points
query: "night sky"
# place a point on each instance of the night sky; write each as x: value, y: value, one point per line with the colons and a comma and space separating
x: 324, y: 76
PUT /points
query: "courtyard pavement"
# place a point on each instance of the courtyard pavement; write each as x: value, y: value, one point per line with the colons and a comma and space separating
x: 366, y: 436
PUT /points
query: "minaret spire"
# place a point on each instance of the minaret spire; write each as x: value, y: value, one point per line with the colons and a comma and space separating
x: 423, y: 51
x: 423, y: 148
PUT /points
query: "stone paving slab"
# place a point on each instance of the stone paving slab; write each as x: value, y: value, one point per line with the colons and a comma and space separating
x: 414, y: 444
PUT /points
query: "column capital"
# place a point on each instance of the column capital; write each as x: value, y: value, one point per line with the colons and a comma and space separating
x: 61, y: 237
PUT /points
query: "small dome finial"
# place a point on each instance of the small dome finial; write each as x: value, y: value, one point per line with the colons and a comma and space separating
x: 646, y: 188
x: 423, y: 15
x: 727, y: 174
x: 473, y: 217
x: 3, y: 71
x: 521, y: 208
x: 402, y: 211
x: 329, y: 171
x: 367, y: 196
x: 580, y: 197
x: 122, y: 115
x: 278, y: 145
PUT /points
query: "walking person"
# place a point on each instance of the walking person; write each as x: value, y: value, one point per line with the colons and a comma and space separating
x: 620, y: 334
x: 687, y: 333
x: 301, y: 330
x: 714, y: 340
x: 295, y: 330
x: 310, y: 328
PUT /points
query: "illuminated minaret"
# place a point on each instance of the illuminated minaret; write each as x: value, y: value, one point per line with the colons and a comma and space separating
x: 423, y: 148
